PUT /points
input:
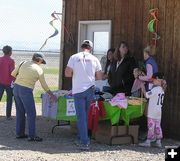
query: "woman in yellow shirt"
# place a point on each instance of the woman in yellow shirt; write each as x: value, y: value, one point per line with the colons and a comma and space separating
x: 27, y: 74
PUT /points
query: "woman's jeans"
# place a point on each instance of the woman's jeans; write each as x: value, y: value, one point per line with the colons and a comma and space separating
x: 24, y: 102
x: 9, y: 97
x: 82, y: 102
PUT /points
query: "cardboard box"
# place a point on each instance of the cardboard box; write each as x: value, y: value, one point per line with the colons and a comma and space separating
x: 122, y: 130
x: 121, y: 140
x: 105, y: 128
x: 133, y: 130
x: 114, y: 135
x: 105, y: 132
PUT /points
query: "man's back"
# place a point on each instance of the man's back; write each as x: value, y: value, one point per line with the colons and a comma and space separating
x: 84, y: 66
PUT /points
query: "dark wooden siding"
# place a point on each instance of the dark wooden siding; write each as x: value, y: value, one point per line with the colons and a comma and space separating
x: 129, y: 23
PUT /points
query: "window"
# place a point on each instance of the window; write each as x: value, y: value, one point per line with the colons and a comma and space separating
x: 101, y: 42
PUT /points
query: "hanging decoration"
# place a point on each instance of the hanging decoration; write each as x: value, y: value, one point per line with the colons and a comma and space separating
x: 56, y: 17
x: 154, y: 22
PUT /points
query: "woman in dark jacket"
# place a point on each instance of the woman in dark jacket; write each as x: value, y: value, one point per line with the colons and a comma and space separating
x: 109, y: 61
x: 120, y: 75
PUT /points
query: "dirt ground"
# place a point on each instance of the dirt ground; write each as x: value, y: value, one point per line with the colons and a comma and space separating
x: 60, y: 145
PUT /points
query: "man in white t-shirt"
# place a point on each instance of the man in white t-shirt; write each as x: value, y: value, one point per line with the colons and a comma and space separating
x: 84, y: 68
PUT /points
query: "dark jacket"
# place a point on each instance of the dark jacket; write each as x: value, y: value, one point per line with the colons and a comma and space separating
x: 121, y: 79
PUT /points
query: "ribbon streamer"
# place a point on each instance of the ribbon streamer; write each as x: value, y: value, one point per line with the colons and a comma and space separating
x: 55, y: 17
x: 153, y: 23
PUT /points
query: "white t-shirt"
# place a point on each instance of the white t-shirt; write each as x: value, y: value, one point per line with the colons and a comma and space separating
x: 84, y: 66
x: 156, y: 97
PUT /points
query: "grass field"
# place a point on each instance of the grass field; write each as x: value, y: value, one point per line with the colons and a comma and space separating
x: 51, y: 71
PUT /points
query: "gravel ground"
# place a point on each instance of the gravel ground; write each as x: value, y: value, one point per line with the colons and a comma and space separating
x: 60, y: 145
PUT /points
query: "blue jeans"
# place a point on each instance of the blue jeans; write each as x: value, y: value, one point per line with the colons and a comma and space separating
x: 106, y: 89
x: 24, y: 101
x: 9, y: 98
x: 82, y: 102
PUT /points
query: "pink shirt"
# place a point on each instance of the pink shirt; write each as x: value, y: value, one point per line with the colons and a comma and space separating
x: 149, y: 73
x: 6, y: 67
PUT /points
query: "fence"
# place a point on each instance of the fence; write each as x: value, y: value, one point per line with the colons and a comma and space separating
x: 51, y: 69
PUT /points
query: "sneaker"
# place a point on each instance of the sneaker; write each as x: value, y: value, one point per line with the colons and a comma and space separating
x: 22, y: 136
x: 38, y: 139
x: 157, y: 144
x: 77, y: 143
x: 145, y: 144
x: 84, y: 147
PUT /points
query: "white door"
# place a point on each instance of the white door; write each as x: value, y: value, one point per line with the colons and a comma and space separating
x: 99, y: 32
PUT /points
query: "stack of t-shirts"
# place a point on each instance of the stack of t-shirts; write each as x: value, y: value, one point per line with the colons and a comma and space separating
x: 119, y: 100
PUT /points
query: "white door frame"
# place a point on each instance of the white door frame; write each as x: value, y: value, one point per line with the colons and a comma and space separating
x: 82, y: 30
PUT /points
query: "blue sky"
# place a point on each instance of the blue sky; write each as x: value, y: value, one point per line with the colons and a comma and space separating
x: 24, y: 24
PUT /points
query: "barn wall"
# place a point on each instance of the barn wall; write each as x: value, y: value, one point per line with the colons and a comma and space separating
x: 129, y: 23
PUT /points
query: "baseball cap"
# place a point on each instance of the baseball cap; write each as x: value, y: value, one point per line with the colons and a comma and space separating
x: 158, y: 75
x: 41, y: 56
x: 88, y: 42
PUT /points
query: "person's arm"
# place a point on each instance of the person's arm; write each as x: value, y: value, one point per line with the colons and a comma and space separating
x: 53, y: 97
x: 149, y: 74
x: 12, y: 67
x: 110, y: 73
x: 45, y: 87
x: 43, y: 82
x: 69, y: 68
x: 143, y: 90
x: 98, y: 73
x: 15, y: 71
x: 68, y: 72
x: 148, y: 94
x: 105, y: 76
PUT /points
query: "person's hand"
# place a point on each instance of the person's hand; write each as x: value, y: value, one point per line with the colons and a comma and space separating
x: 53, y: 98
x: 142, y: 74
x: 105, y: 76
x: 142, y: 87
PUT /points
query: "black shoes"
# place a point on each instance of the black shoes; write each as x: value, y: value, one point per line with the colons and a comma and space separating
x: 37, y: 139
x: 22, y: 136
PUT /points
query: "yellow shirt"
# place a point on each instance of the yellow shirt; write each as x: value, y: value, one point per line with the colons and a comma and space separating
x: 28, y: 74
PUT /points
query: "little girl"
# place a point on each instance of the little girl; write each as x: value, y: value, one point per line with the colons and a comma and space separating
x: 136, y: 88
x: 156, y: 97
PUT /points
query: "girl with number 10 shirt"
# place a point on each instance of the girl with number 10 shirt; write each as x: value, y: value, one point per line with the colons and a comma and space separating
x: 156, y: 97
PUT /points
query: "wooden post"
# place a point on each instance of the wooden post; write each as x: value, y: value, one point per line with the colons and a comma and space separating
x: 62, y: 46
